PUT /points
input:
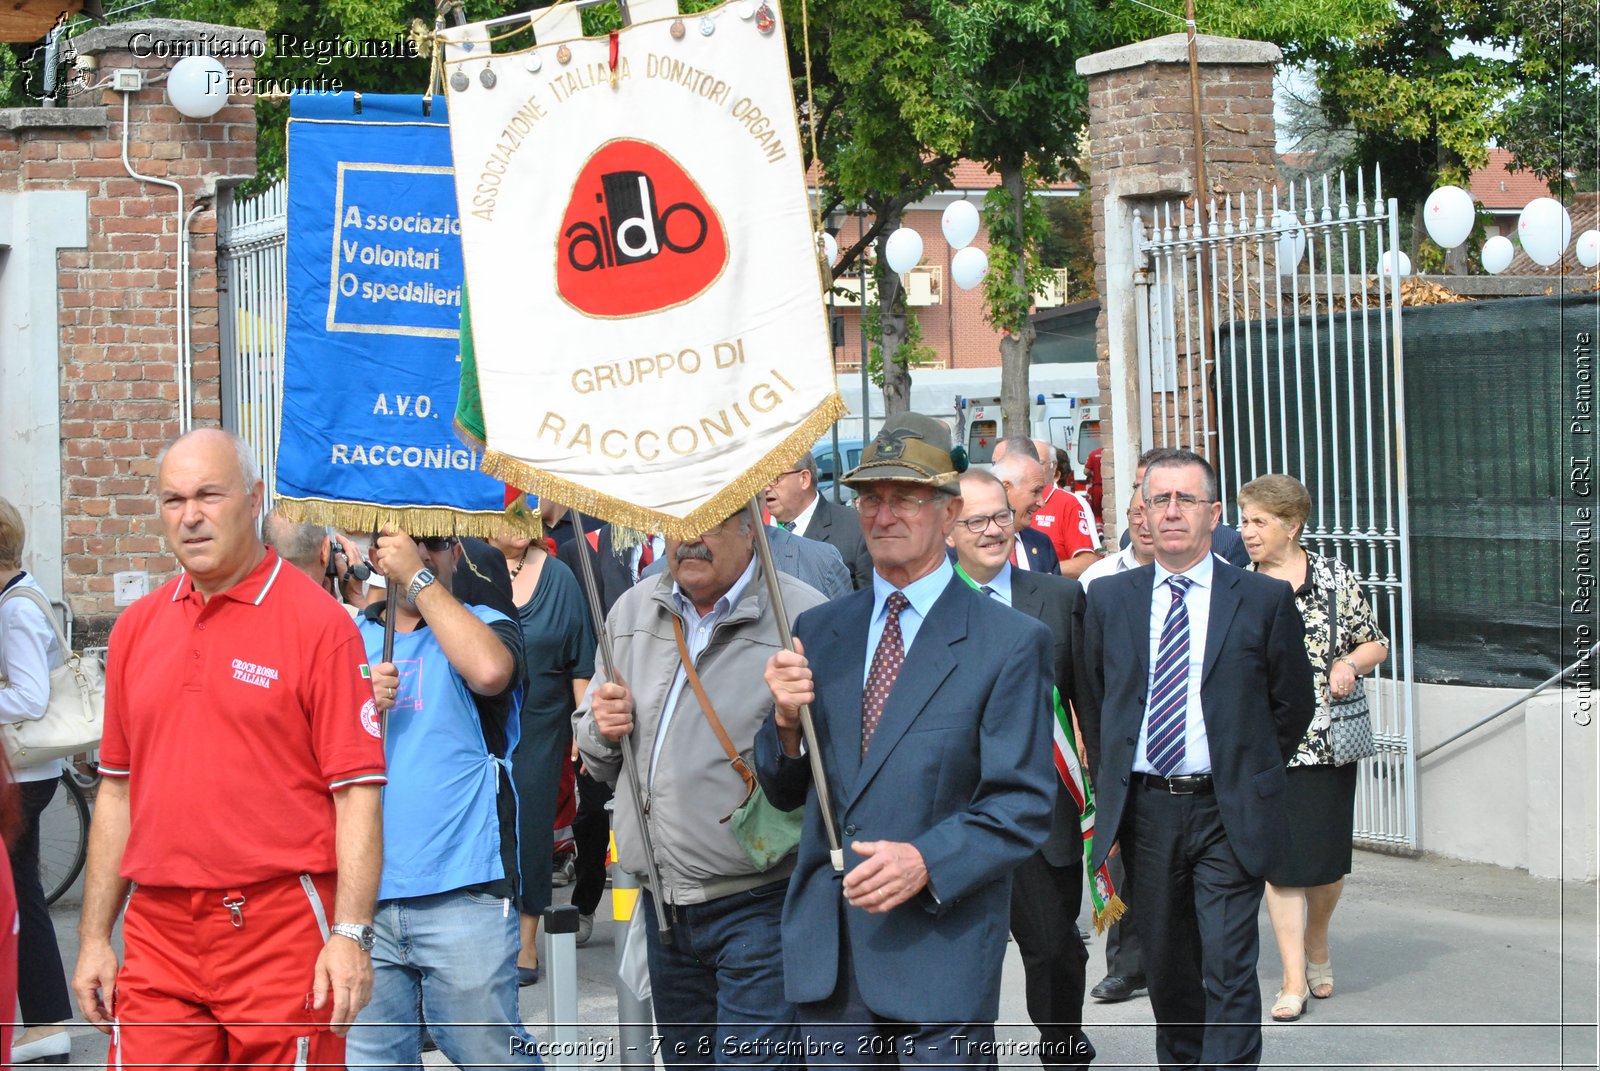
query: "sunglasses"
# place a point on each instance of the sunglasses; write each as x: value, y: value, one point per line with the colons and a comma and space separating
x: 435, y: 544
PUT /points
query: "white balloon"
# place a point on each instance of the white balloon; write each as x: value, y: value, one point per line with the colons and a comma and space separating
x: 1386, y: 263
x: 829, y: 246
x: 198, y: 86
x: 969, y: 266
x: 903, y: 250
x: 1497, y: 254
x: 1291, y: 244
x: 1545, y: 230
x: 1449, y: 215
x: 960, y: 223
x: 1589, y: 248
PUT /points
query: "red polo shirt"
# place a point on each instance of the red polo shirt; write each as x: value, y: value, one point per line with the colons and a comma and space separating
x: 235, y: 718
x: 1061, y: 517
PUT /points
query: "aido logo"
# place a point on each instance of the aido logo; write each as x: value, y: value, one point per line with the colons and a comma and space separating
x: 638, y: 234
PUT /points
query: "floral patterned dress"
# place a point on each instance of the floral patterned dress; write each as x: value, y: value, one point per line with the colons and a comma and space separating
x: 1357, y: 625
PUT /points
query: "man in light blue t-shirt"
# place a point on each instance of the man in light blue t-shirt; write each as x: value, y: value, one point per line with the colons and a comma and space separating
x: 446, y: 924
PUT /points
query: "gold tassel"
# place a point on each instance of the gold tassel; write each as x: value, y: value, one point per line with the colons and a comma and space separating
x: 413, y: 520
x: 1114, y: 910
x: 718, y: 508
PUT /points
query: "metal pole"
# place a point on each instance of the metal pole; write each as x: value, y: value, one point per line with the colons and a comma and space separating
x: 866, y: 377
x: 630, y: 766
x: 819, y: 777
x: 560, y: 955
x: 635, y: 1015
x: 1201, y: 198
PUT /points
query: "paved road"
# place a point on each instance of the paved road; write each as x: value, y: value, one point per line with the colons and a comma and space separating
x: 1439, y: 964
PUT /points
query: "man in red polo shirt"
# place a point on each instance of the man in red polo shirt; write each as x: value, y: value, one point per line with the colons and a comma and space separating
x: 242, y: 765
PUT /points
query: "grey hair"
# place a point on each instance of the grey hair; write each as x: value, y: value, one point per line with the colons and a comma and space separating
x: 1182, y: 459
x: 1010, y: 466
x: 1019, y: 444
x: 249, y: 468
x: 296, y: 543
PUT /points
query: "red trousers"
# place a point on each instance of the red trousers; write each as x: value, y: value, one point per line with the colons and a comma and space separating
x: 202, y: 984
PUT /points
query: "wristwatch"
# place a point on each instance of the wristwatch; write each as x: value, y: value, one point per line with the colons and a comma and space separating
x: 421, y: 580
x: 364, y: 936
x: 1352, y: 664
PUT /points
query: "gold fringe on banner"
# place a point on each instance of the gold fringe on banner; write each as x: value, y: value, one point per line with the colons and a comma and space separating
x: 468, y: 439
x: 1115, y: 909
x: 413, y: 520
x: 720, y: 506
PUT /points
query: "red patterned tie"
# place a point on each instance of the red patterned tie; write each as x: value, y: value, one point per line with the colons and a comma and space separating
x: 886, y: 663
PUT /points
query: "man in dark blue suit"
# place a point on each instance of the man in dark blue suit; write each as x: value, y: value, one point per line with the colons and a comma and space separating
x: 1047, y: 889
x: 931, y: 704
x: 1197, y: 691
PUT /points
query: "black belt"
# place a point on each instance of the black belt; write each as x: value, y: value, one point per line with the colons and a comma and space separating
x: 1182, y: 785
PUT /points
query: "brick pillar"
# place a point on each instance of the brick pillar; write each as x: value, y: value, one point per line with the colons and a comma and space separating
x: 117, y: 298
x: 1141, y: 143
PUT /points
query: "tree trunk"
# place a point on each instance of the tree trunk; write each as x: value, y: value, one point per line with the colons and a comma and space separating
x: 892, y: 332
x: 1016, y: 347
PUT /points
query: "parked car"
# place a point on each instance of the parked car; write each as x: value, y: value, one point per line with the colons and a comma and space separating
x: 830, y: 464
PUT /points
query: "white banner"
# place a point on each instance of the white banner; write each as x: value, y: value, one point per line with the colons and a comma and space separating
x: 647, y: 309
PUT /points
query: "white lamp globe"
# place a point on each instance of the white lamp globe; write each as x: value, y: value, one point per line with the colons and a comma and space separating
x: 1449, y: 215
x: 1545, y: 229
x: 1588, y: 249
x: 1497, y: 254
x: 198, y: 86
x: 969, y: 266
x: 960, y: 223
x: 903, y: 250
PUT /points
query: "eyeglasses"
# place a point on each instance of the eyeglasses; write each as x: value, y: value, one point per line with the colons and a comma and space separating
x: 435, y: 544
x: 979, y: 525
x: 1186, y: 502
x: 781, y: 475
x: 1135, y: 515
x: 904, y: 506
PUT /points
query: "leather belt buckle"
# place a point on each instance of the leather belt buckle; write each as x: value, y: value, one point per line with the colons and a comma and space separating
x: 1188, y: 784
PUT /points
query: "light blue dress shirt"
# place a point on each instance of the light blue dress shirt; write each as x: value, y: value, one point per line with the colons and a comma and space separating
x: 922, y: 593
x: 697, y: 637
x: 1196, y: 749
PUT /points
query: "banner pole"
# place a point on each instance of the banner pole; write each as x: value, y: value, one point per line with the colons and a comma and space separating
x: 807, y: 728
x: 630, y: 766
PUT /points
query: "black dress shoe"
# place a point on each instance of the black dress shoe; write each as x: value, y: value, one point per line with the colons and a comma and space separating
x: 1114, y: 988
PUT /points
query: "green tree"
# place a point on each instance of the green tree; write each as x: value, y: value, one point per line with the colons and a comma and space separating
x: 1552, y: 126
x: 886, y: 132
x: 1016, y: 60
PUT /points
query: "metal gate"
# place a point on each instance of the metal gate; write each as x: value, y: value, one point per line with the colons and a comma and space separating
x: 1269, y: 340
x: 252, y: 298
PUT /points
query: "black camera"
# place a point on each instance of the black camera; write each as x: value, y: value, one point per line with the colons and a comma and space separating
x: 358, y: 570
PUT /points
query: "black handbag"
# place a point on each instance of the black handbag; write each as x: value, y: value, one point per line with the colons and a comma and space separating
x: 1350, y: 718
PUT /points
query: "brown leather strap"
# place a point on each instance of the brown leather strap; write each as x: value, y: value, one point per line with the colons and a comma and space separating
x: 711, y: 715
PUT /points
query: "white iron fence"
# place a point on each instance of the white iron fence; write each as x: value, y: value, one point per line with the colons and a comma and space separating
x: 1269, y: 340
x: 251, y: 271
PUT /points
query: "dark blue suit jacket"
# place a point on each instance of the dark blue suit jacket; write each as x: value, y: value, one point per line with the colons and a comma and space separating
x: 960, y: 766
x: 1255, y: 695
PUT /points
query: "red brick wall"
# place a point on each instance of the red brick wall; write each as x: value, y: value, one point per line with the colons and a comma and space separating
x: 118, y: 303
x: 1141, y: 130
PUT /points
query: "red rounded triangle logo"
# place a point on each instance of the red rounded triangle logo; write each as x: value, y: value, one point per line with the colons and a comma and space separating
x: 638, y: 234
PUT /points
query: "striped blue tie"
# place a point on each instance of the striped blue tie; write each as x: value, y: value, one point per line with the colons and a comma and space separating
x: 1169, y: 694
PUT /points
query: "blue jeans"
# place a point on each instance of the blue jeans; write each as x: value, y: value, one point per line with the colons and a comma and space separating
x: 449, y: 961
x: 718, y: 991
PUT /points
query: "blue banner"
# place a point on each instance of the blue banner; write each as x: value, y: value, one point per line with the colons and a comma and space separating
x: 373, y: 357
